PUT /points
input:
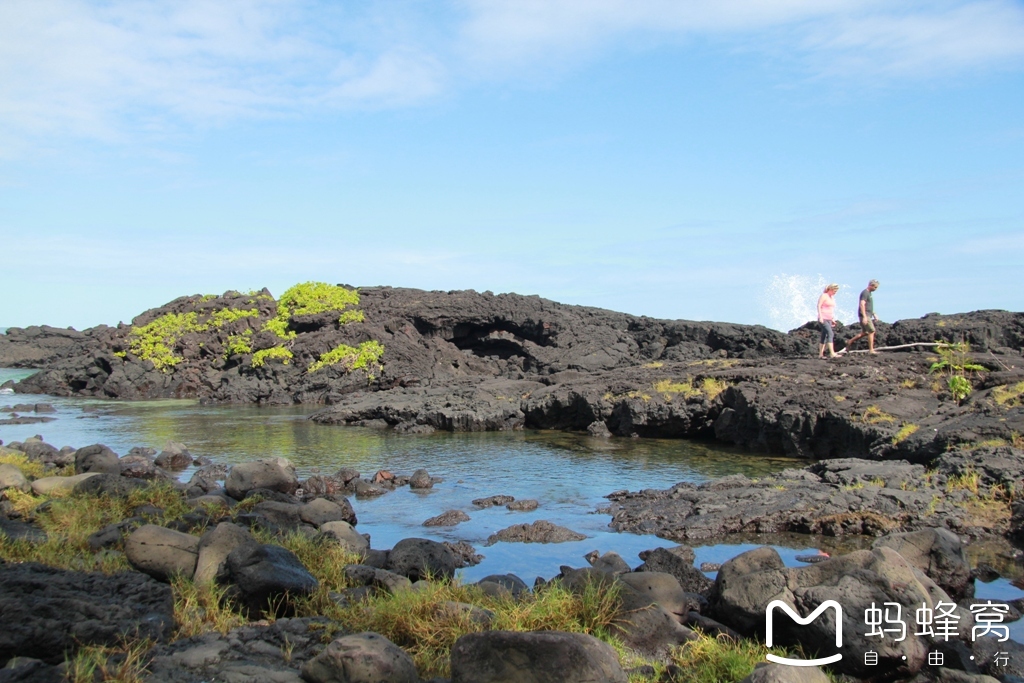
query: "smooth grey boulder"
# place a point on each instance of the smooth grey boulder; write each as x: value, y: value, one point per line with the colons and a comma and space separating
x: 275, y: 474
x: 377, y: 578
x: 174, y: 456
x: 344, y: 533
x: 162, y: 553
x: 12, y: 478
x: 320, y: 511
x: 45, y: 486
x: 780, y: 673
x: 96, y: 458
x: 534, y: 657
x: 104, y: 484
x: 939, y: 554
x: 214, y: 548
x: 661, y: 589
x: 421, y: 558
x: 265, y: 572
x: 420, y: 479
x: 609, y: 563
x: 361, y: 658
x: 503, y: 585
x: 283, y: 515
x: 747, y: 583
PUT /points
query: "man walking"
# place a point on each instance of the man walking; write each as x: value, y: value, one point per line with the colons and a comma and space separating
x: 866, y: 313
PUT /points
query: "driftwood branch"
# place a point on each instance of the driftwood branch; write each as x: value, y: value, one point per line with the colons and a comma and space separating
x: 891, y: 348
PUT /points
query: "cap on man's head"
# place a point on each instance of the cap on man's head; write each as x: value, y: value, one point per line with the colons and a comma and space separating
x: 873, y: 282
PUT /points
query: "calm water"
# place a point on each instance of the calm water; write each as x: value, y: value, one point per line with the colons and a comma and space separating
x: 568, y: 474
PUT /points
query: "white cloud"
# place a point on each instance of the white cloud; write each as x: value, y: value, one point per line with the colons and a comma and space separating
x: 118, y: 70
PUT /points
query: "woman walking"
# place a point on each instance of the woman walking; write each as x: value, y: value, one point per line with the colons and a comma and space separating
x: 827, y: 320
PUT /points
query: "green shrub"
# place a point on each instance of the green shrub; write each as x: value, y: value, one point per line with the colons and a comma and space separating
x: 260, y: 358
x: 366, y: 356
x: 155, y: 341
x: 309, y: 298
x: 238, y: 343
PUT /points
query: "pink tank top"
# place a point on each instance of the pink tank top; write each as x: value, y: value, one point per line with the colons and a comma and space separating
x: 828, y: 308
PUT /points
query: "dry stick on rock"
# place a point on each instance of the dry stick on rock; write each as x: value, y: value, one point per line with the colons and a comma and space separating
x: 890, y: 348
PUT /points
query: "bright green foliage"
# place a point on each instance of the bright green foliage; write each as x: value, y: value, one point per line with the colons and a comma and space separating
x: 155, y: 341
x: 238, y: 343
x: 260, y: 358
x: 351, y: 316
x: 224, y: 316
x: 121, y: 354
x: 367, y: 356
x: 309, y: 298
x: 960, y: 387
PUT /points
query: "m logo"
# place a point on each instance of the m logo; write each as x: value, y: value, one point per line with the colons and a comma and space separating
x: 803, y: 622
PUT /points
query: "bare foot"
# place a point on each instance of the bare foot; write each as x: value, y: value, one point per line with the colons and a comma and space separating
x: 873, y: 353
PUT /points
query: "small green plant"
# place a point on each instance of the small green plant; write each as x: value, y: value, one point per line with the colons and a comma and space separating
x: 905, y: 432
x: 908, y: 384
x: 155, y: 341
x: 366, y: 356
x: 955, y: 361
x: 125, y: 663
x: 874, y: 415
x: 960, y: 387
x: 260, y: 358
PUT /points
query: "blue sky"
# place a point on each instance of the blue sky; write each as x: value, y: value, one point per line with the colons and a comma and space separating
x: 698, y: 160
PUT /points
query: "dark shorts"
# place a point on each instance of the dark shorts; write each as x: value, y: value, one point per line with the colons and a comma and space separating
x: 867, y: 325
x: 827, y: 334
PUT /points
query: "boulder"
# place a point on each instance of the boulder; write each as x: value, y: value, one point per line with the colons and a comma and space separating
x: 661, y: 589
x: 780, y: 673
x: 320, y: 511
x: 162, y: 553
x: 536, y: 657
x: 678, y: 562
x: 599, y: 429
x: 49, y: 613
x: 364, y: 575
x: 46, y: 486
x: 112, y: 535
x: 421, y: 558
x: 609, y: 563
x: 541, y: 531
x: 174, y: 456
x: 276, y: 474
x: 525, y: 505
x: 140, y: 467
x: 214, y: 548
x: 747, y: 583
x: 96, y: 458
x: 38, y: 450
x: 939, y: 554
x: 285, y: 516
x: 492, y: 501
x: 113, y: 485
x: 420, y: 480
x: 503, y: 584
x: 344, y: 533
x: 264, y: 573
x: 12, y: 478
x: 449, y: 518
x: 21, y: 531
x: 361, y: 658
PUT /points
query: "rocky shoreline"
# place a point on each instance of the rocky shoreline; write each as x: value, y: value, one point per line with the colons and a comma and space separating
x: 242, y: 529
x: 895, y: 453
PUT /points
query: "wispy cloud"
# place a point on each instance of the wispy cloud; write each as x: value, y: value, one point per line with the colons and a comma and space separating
x: 119, y: 70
